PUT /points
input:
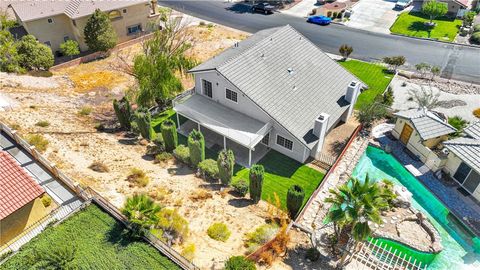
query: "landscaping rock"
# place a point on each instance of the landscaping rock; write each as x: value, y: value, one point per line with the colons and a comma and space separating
x: 404, y: 197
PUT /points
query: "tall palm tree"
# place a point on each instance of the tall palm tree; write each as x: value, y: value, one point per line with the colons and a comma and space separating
x: 141, y: 211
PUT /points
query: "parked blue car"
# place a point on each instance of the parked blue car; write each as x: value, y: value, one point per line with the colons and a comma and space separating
x: 321, y: 20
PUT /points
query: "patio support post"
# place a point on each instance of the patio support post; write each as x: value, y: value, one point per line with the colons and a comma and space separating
x: 249, y: 157
x: 198, y: 126
x: 224, y: 143
x: 178, y: 121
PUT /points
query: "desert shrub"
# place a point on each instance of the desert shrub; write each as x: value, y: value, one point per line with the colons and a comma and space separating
x: 38, y: 141
x: 476, y: 112
x: 143, y: 118
x: 239, y: 263
x: 476, y: 28
x: 260, y: 236
x: 202, y: 23
x: 138, y: 177
x: 98, y: 166
x: 196, y: 145
x: 208, y: 168
x: 85, y: 110
x: 171, y: 226
x: 200, y: 195
x: 225, y: 163
x: 241, y: 187
x: 42, y: 123
x: 219, y: 232
x: 163, y: 157
x: 312, y: 254
x: 169, y: 134
x: 182, y: 153
x: 256, y: 182
x: 160, y: 194
x: 188, y: 252
x: 295, y: 196
x: 267, y: 257
x: 458, y: 122
x: 123, y: 111
x: 46, y: 200
x: 388, y: 97
x: 475, y: 38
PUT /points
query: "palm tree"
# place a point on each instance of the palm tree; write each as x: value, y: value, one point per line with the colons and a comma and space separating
x: 141, y: 211
x: 61, y: 258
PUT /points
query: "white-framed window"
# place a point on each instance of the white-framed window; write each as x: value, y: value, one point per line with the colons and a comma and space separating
x: 231, y: 95
x: 50, y: 20
x: 207, y: 88
x: 266, y: 139
x: 284, y: 142
x: 124, y: 11
x: 134, y: 29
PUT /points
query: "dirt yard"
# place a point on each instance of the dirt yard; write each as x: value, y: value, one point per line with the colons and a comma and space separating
x: 74, y: 144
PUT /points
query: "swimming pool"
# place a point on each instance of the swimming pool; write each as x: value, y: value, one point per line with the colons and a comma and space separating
x: 459, y: 244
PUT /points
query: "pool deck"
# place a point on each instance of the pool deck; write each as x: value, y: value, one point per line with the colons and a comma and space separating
x: 460, y: 205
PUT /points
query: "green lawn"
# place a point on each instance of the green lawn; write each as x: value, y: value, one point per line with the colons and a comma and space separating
x: 281, y: 172
x: 375, y: 76
x: 413, y: 24
x: 99, y: 242
x: 158, y: 119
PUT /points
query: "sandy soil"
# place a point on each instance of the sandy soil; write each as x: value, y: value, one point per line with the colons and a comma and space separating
x: 74, y: 144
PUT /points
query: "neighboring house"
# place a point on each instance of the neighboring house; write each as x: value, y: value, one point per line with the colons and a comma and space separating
x: 20, y: 203
x: 463, y: 163
x: 456, y: 8
x: 55, y: 21
x: 422, y: 132
x: 275, y: 90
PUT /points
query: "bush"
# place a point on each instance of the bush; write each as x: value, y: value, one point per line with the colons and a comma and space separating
x: 123, y: 111
x: 476, y: 28
x: 70, y: 48
x: 219, y: 232
x: 239, y: 263
x: 459, y: 123
x: 388, y: 97
x: 163, y: 157
x: 34, y: 55
x: 138, y: 177
x: 295, y: 196
x: 260, y: 236
x: 476, y: 112
x: 46, y: 200
x: 42, y: 123
x: 256, y: 182
x: 312, y: 254
x: 85, y: 110
x: 169, y: 134
x: 38, y: 141
x: 196, y: 145
x: 182, y: 153
x: 98, y: 166
x: 144, y: 122
x: 208, y: 168
x: 171, y: 225
x: 225, y: 163
x: 188, y: 252
x: 475, y: 38
x: 241, y: 187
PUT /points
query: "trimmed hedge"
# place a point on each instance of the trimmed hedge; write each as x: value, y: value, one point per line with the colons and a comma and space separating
x: 226, y: 162
x: 123, y: 111
x: 295, y: 196
x: 144, y: 120
x: 169, y: 134
x: 256, y: 176
x: 196, y: 145
x: 241, y: 187
x: 208, y: 168
x: 182, y: 153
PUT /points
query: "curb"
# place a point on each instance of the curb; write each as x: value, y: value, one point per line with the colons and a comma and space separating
x: 437, y: 40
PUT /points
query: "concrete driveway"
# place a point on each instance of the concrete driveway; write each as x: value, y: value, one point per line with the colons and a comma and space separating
x: 374, y: 15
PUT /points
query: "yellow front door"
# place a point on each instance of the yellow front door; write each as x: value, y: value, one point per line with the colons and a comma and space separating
x: 406, y: 133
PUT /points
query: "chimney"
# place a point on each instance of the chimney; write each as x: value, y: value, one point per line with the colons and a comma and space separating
x: 353, y: 90
x: 320, y: 130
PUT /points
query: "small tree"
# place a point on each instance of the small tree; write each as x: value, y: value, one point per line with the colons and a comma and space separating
x: 144, y: 119
x: 295, y: 196
x: 9, y: 58
x: 435, y: 71
x: 239, y: 263
x: 70, y: 48
x: 423, y: 68
x: 99, y: 33
x: 424, y: 98
x: 345, y: 51
x: 226, y: 162
x: 434, y: 9
x: 141, y: 212
x: 468, y: 18
x: 388, y: 97
x: 394, y: 62
x: 123, y: 111
x: 34, y: 55
x: 196, y: 145
x: 369, y: 113
x: 256, y: 182
x: 169, y: 134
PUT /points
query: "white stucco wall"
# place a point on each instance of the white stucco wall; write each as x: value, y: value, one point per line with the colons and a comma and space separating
x: 451, y: 167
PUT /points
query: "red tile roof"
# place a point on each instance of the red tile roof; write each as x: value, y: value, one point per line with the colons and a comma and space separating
x: 18, y: 188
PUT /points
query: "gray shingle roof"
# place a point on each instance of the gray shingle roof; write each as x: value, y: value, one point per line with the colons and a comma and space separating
x: 428, y: 124
x: 259, y: 67
x: 473, y: 130
x: 467, y: 149
x: 30, y: 10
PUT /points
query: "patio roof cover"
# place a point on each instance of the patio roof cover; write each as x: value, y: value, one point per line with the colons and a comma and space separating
x: 236, y: 126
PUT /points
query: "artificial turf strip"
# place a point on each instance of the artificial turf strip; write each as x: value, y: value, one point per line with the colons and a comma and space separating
x: 413, y: 24
x: 99, y: 242
x: 281, y: 172
x: 375, y: 76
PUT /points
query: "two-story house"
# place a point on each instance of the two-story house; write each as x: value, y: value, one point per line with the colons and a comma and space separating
x: 54, y: 22
x: 274, y: 90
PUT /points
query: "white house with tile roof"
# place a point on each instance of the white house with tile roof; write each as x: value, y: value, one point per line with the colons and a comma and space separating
x: 275, y: 90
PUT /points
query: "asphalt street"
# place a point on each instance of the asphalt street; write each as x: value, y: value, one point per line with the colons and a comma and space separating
x: 457, y: 61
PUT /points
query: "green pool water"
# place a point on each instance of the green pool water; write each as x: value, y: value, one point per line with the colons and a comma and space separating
x: 461, y: 248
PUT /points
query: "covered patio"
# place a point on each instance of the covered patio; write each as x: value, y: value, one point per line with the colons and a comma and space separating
x: 223, y: 127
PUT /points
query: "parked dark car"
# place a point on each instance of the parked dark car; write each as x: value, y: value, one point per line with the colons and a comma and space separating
x: 264, y: 8
x: 321, y: 20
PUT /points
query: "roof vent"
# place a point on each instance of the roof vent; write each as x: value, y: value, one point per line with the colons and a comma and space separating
x: 290, y: 71
x: 294, y: 88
